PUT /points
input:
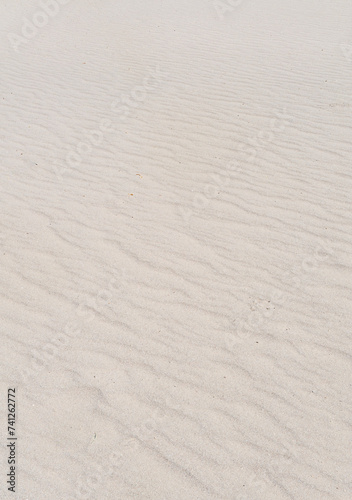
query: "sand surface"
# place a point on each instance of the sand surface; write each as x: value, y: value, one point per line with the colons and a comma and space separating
x: 176, y: 249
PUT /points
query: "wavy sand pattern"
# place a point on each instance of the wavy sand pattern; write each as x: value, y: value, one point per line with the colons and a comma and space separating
x: 176, y: 248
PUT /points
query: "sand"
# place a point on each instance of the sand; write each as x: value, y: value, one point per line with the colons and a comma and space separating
x: 176, y: 249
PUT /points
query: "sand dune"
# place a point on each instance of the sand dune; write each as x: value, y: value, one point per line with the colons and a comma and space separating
x: 176, y: 249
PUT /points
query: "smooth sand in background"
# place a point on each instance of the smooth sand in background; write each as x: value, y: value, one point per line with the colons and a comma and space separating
x: 175, y: 250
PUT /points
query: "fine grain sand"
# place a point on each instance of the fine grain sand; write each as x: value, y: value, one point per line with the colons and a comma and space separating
x: 176, y: 249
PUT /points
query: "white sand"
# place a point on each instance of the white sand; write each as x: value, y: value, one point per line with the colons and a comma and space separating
x: 175, y: 267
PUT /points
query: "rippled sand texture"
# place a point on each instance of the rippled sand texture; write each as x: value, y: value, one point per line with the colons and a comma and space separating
x: 176, y: 249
